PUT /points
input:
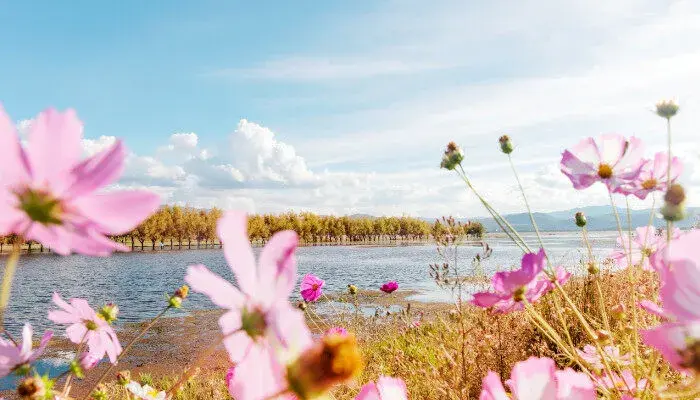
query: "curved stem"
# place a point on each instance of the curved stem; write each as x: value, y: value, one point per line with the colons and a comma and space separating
x: 512, y: 234
x: 527, y: 205
x: 126, y: 349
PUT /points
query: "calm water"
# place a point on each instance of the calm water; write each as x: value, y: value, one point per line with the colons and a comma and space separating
x: 137, y: 282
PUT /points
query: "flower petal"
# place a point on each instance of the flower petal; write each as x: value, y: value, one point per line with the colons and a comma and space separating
x: 233, y: 232
x: 533, y: 379
x: 277, y: 267
x: 97, y: 171
x: 492, y: 388
x: 54, y: 146
x: 118, y: 212
x: 13, y: 160
x: 220, y: 291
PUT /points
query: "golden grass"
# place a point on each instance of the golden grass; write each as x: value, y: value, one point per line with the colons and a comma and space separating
x: 447, y: 356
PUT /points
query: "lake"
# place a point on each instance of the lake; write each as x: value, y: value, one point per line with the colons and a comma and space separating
x: 138, y: 282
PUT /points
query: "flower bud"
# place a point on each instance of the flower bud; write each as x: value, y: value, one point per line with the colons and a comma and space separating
x: 175, y: 301
x: 506, y: 144
x: 603, y: 336
x: 617, y: 312
x: 109, y: 312
x: 23, y: 370
x: 453, y: 156
x: 580, y: 219
x: 666, y: 108
x: 301, y: 305
x: 182, y: 292
x: 674, y: 203
x: 33, y: 388
x: 76, y: 369
x: 352, y: 289
x: 593, y: 268
x: 100, y: 393
x: 123, y: 377
x: 332, y: 360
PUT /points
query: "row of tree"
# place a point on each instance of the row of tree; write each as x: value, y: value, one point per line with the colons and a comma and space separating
x: 178, y: 227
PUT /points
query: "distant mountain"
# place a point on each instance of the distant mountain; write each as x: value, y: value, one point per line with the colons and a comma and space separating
x: 600, y: 218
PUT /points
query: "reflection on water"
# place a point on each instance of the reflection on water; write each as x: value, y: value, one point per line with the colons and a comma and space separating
x: 137, y: 282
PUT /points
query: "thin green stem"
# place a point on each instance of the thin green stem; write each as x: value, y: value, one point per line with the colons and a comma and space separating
x: 7, y: 278
x: 513, y: 234
x: 633, y: 281
x: 127, y: 348
x: 79, y: 351
x: 527, y: 204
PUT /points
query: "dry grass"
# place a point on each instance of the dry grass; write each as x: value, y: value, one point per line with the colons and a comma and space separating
x: 447, y: 356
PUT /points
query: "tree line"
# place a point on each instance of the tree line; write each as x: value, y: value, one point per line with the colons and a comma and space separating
x: 186, y: 227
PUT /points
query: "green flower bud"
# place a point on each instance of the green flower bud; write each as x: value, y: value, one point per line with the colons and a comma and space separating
x: 506, y: 144
x: 123, y: 377
x: 76, y: 369
x: 580, y: 219
x: 666, y: 108
x: 674, y: 205
x: 175, y: 301
x: 453, y: 157
x: 109, y: 312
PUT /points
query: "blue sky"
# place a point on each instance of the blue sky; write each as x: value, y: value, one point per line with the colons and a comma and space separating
x: 342, y: 107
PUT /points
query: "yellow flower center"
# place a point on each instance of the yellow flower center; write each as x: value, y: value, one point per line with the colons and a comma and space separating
x: 519, y: 294
x: 649, y: 184
x: 40, y: 206
x: 605, y: 171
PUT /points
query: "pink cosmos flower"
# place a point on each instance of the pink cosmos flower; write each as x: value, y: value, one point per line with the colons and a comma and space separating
x: 538, y: 379
x: 311, y: 287
x: 592, y: 357
x: 85, y: 326
x: 613, y: 160
x: 386, y: 388
x: 679, y: 268
x: 389, y: 287
x: 13, y: 356
x: 258, y: 310
x: 512, y: 287
x: 645, y: 243
x: 624, y: 382
x: 49, y: 195
x: 653, y: 176
x: 258, y: 377
x: 337, y: 330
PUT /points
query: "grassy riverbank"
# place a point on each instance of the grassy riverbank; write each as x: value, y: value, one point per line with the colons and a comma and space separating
x: 440, y: 352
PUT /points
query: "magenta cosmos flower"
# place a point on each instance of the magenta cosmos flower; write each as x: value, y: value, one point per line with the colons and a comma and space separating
x: 538, y: 379
x: 679, y: 268
x: 613, y: 160
x: 389, y: 287
x: 386, y: 388
x: 49, y: 195
x: 511, y: 288
x: 311, y: 287
x: 653, y: 176
x: 645, y: 243
x: 258, y: 309
x: 13, y: 356
x: 85, y: 326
